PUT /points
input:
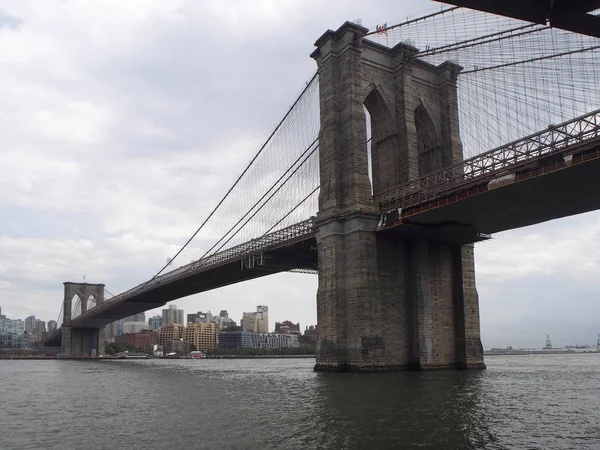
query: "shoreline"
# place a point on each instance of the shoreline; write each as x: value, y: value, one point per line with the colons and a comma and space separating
x: 538, y: 352
x: 258, y: 356
x: 110, y: 357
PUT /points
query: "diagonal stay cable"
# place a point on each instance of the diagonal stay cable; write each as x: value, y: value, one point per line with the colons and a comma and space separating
x: 291, y: 211
x: 525, y: 61
x: 417, y: 19
x: 482, y: 40
x: 270, y: 197
x: 261, y: 199
x: 289, y: 111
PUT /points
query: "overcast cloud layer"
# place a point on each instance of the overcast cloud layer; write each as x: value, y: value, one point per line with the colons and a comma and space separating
x: 123, y: 123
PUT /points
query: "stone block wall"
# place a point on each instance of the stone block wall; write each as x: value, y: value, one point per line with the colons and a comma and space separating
x: 386, y: 302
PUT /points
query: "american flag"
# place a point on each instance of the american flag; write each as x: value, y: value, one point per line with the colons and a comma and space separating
x: 382, y: 29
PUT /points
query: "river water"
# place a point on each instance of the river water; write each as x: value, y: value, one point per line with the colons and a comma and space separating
x: 519, y: 402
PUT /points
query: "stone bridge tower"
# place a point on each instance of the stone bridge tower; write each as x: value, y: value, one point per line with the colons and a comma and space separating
x: 385, y: 301
x: 81, y: 341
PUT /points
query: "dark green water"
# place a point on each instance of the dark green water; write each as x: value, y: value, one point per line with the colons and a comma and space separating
x: 519, y: 402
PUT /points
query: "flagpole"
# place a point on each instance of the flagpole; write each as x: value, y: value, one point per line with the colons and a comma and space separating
x: 383, y: 29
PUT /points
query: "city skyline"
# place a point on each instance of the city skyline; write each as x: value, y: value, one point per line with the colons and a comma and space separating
x: 157, y: 313
x: 535, y: 342
x: 162, y: 173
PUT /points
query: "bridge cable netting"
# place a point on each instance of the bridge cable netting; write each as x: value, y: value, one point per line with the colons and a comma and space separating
x: 278, y: 188
x: 518, y: 78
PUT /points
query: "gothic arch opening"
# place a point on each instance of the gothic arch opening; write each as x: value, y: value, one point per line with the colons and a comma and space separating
x: 75, y: 306
x: 431, y: 152
x: 369, y: 155
x: 91, y: 303
x: 382, y: 160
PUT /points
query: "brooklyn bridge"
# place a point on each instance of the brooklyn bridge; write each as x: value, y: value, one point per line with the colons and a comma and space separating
x: 411, y: 143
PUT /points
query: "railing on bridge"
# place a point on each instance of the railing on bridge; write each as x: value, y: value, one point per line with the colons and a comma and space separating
x: 286, y: 236
x: 494, y: 163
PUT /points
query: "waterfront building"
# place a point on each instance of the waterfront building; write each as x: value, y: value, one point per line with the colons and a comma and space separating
x: 287, y: 327
x: 142, y: 340
x: 274, y: 340
x: 256, y: 322
x: 1, y: 315
x: 30, y: 325
x: 39, y: 331
x: 234, y: 339
x: 22, y: 341
x: 155, y: 322
x: 223, y: 320
x: 231, y: 326
x: 134, y: 324
x: 310, y: 334
x: 178, y: 346
x: 172, y: 316
x: 198, y: 317
x: 111, y: 331
x: 51, y: 326
x: 246, y: 339
x: 12, y: 333
x: 139, y: 317
x: 203, y: 336
x: 169, y: 333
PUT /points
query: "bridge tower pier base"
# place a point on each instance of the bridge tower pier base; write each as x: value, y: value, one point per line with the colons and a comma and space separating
x: 101, y: 341
x: 387, y: 301
x: 76, y: 341
x: 66, y: 343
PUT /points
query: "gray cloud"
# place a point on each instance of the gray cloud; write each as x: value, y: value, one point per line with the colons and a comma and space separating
x: 9, y: 21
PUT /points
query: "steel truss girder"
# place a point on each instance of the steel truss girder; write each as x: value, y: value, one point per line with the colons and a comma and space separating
x: 556, y: 139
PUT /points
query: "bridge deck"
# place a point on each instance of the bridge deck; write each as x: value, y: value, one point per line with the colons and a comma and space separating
x: 544, y: 176
x: 283, y: 250
x: 536, y: 196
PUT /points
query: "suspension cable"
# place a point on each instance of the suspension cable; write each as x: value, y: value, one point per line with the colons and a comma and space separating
x: 262, y: 198
x: 481, y: 40
x: 525, y: 61
x: 408, y: 22
x: 271, y: 196
x: 289, y: 111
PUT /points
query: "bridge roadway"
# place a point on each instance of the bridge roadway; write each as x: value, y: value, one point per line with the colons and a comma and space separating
x: 551, y: 174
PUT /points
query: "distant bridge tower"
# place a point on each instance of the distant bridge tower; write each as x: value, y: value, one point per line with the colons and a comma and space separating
x: 387, y: 301
x: 81, y: 341
x: 598, y: 343
x: 548, y: 343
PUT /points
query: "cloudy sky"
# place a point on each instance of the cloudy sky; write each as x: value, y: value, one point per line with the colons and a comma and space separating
x: 123, y: 123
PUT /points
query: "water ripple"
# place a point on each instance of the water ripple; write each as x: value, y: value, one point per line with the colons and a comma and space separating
x: 522, y: 402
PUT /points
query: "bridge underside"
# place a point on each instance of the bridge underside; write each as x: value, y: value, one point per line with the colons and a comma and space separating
x: 571, y: 15
x: 301, y: 255
x: 527, y: 197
